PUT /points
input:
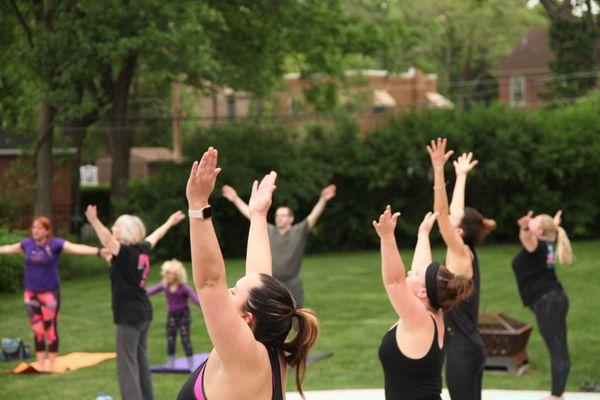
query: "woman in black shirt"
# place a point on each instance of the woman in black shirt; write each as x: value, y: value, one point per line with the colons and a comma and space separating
x: 540, y: 290
x: 132, y: 312
x: 465, y: 351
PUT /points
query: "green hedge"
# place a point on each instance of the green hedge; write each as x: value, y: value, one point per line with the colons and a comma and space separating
x: 543, y: 161
x: 11, y: 265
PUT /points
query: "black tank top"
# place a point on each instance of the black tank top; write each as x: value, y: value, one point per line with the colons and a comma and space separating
x: 409, y: 379
x: 187, y: 390
x: 462, y: 320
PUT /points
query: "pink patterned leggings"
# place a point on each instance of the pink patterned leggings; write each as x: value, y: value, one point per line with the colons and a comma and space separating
x: 42, y: 308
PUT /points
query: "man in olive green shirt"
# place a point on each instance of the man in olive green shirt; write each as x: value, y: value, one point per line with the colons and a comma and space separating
x: 287, y: 239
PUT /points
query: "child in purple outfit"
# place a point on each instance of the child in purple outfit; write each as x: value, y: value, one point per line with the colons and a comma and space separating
x: 178, y: 292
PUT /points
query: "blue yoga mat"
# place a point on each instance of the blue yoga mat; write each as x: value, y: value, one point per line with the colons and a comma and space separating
x: 181, y: 366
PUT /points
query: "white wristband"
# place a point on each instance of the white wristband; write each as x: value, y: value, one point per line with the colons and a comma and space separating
x: 203, y: 213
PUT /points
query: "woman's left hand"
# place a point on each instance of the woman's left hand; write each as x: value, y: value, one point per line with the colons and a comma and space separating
x: 387, y: 222
x: 262, y: 194
x: 201, y: 182
x: 463, y: 164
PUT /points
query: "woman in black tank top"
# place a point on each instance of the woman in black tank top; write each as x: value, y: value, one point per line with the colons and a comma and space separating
x: 465, y: 351
x: 411, y: 353
x: 248, y: 324
x: 534, y: 267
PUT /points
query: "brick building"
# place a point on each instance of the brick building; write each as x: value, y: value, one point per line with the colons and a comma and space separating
x: 371, y: 96
x: 17, y: 183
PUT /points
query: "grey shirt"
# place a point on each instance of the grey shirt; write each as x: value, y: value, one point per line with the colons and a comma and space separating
x: 287, y: 250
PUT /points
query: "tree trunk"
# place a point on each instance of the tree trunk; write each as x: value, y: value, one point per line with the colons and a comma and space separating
x: 119, y: 142
x: 43, y: 162
x: 215, y: 106
x: 119, y: 135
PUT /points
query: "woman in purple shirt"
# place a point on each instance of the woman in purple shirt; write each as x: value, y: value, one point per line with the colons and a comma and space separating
x: 178, y: 292
x: 42, y: 284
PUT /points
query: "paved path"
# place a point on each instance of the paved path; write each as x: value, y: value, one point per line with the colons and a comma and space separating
x: 377, y: 394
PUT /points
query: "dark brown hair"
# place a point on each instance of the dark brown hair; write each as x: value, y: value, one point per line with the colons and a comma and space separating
x: 274, y: 309
x: 475, y: 226
x: 288, y: 208
x: 452, y: 289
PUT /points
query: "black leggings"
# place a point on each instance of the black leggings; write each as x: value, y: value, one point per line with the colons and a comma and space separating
x: 551, y: 313
x: 465, y: 362
x: 179, y: 320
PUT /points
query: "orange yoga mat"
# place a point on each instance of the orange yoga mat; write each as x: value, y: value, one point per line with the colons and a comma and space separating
x: 71, y: 361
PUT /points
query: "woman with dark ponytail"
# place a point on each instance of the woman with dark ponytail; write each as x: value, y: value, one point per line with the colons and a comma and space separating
x: 465, y: 351
x: 248, y: 324
x: 411, y: 353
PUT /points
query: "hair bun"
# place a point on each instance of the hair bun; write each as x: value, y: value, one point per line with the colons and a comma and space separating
x: 489, y: 224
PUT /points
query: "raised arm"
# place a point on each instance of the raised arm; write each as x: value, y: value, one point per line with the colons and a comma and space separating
x: 326, y: 194
x: 80, y: 249
x: 527, y: 238
x: 230, y: 194
x: 162, y: 230
x: 462, y: 166
x: 103, y: 233
x: 231, y: 336
x: 458, y: 259
x: 258, y: 254
x: 408, y: 307
x: 422, y: 256
x: 14, y: 248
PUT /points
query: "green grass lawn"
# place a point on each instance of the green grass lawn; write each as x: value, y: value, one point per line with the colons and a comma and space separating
x: 346, y: 292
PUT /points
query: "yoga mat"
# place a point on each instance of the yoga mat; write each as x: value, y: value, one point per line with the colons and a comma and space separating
x: 69, y: 362
x: 181, y: 366
x: 312, y: 358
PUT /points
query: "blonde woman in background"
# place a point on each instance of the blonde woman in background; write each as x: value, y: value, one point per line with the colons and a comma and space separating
x: 178, y: 292
x: 132, y: 312
x: 545, y: 243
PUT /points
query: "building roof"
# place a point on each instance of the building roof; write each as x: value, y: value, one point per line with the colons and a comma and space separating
x: 381, y: 73
x: 532, y: 53
x: 152, y: 154
x: 147, y: 154
x: 12, y: 144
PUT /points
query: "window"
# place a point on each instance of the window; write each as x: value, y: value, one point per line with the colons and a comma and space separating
x: 231, y: 107
x: 517, y: 91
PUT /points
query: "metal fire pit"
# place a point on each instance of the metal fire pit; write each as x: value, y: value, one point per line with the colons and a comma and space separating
x: 505, y: 340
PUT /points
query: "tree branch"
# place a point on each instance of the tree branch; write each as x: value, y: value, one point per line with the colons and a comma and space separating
x: 23, y: 23
x: 551, y: 7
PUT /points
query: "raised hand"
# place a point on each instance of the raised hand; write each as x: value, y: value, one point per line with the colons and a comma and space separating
x: 437, y: 153
x: 463, y: 164
x: 229, y: 193
x: 557, y: 220
x: 262, y: 194
x: 91, y: 213
x: 328, y: 193
x: 387, y: 222
x: 428, y: 222
x: 176, y: 217
x: 523, y: 222
x: 201, y: 182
